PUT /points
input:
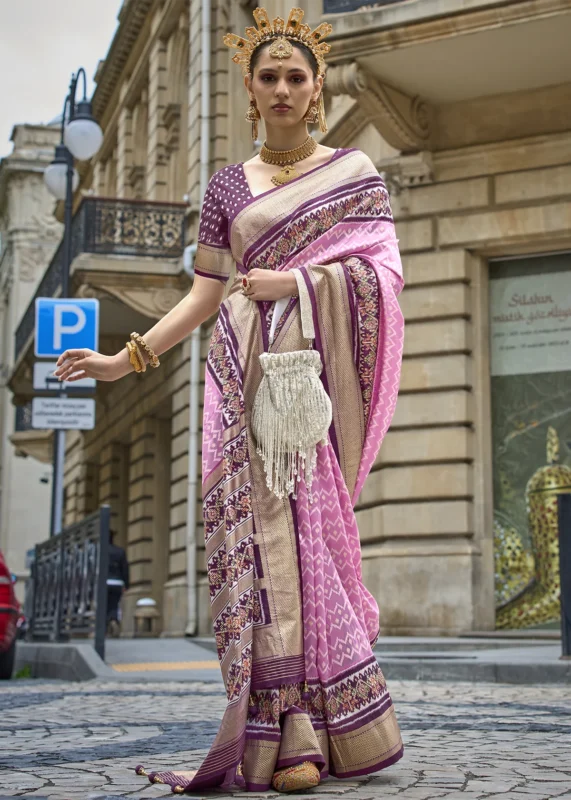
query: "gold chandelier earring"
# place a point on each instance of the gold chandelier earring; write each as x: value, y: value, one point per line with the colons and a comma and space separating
x: 253, y: 116
x: 315, y: 114
x: 312, y: 113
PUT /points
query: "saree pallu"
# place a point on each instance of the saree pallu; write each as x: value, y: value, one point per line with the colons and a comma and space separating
x: 294, y: 624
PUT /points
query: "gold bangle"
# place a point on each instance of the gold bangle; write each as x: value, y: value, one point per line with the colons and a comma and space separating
x: 153, y: 358
x: 140, y: 358
x: 132, y: 357
x: 135, y: 357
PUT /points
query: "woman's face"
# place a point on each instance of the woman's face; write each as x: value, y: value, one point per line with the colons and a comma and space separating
x: 283, y: 94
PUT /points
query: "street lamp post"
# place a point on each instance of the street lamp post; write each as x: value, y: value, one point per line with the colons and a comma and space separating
x: 81, y: 138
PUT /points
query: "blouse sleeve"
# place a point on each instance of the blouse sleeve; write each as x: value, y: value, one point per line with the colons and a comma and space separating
x: 213, y: 255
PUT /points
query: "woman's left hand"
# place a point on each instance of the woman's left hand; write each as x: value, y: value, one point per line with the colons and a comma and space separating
x: 265, y: 284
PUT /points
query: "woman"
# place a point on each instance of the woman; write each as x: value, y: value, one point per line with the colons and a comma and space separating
x: 294, y: 624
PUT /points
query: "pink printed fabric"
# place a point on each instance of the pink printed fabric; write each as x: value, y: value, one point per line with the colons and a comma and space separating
x: 341, y: 237
x: 334, y: 598
x: 373, y: 244
x: 330, y: 551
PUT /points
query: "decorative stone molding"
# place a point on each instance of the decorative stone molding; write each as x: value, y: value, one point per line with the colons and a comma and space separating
x: 348, y: 79
x: 32, y: 262
x: 110, y: 71
x: 406, y: 172
x: 47, y: 226
x: 6, y: 281
x: 154, y: 304
x: 404, y: 122
x: 150, y: 301
x: 36, y: 444
x: 136, y: 178
x: 89, y: 292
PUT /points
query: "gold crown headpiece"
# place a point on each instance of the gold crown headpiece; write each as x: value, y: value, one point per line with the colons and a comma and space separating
x: 294, y: 29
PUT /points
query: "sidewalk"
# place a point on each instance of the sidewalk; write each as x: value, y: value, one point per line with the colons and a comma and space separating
x: 502, y: 660
x: 161, y: 660
x: 495, y: 660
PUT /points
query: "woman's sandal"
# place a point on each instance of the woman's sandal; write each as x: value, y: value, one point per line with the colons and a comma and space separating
x: 294, y: 779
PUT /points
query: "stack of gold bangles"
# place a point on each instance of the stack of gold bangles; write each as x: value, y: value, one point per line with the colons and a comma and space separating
x: 134, y: 347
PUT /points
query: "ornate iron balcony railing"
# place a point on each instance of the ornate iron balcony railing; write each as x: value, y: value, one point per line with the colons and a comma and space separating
x: 111, y: 227
x: 344, y: 6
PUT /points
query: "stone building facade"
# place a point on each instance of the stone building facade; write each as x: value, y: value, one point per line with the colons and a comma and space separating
x: 473, y: 139
x: 29, y: 234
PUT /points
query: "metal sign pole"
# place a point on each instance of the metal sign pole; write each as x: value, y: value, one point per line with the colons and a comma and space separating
x: 57, y: 495
x: 59, y: 436
x: 101, y: 586
x: 55, y: 460
x: 565, y: 572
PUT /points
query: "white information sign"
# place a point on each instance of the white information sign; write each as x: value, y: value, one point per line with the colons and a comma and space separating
x: 530, y: 319
x: 63, y: 413
x: 45, y: 380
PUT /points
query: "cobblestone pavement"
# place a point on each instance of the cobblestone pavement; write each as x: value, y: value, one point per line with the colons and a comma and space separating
x: 68, y: 741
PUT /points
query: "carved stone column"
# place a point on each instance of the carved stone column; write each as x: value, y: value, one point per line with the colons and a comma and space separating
x: 157, y: 164
x: 124, y: 152
x: 113, y: 487
x: 148, y: 515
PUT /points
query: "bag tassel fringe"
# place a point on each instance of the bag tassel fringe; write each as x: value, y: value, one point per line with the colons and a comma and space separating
x: 291, y: 416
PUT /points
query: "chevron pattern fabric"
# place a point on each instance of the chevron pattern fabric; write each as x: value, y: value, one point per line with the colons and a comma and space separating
x: 302, y: 681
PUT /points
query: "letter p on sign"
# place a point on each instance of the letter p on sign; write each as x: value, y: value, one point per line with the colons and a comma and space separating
x: 65, y: 325
x: 60, y: 326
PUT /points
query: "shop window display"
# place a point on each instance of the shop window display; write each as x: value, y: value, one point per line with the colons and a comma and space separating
x: 530, y: 337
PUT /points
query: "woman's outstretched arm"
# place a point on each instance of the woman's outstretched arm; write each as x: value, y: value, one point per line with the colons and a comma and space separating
x: 201, y: 303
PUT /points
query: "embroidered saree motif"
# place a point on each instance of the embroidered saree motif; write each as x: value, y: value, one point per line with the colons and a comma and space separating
x: 292, y: 619
x: 366, y: 289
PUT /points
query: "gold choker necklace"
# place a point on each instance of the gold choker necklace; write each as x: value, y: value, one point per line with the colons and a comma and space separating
x: 286, y: 160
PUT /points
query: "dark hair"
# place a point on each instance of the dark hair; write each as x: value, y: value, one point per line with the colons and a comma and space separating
x: 112, y: 535
x: 309, y: 57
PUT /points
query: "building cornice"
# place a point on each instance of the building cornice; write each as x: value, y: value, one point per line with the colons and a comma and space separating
x: 131, y: 21
x: 364, y: 33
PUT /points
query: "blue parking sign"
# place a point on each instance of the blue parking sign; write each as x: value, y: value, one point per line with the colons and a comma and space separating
x: 63, y: 324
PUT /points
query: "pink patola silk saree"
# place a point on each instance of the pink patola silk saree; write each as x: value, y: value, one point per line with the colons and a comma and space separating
x: 294, y: 624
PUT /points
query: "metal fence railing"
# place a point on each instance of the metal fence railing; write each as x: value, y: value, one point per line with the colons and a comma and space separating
x: 69, y: 583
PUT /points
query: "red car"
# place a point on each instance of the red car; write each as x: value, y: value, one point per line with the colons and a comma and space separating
x: 9, y: 613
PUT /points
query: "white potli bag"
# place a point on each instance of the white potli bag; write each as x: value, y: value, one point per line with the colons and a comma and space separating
x: 292, y: 412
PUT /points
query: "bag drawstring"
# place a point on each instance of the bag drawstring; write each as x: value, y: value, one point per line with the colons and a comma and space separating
x: 292, y: 412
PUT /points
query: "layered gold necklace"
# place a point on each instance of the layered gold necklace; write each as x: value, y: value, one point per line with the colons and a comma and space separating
x: 286, y: 160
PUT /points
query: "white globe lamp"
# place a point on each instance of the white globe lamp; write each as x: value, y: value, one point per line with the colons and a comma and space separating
x: 83, y: 136
x: 55, y: 176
